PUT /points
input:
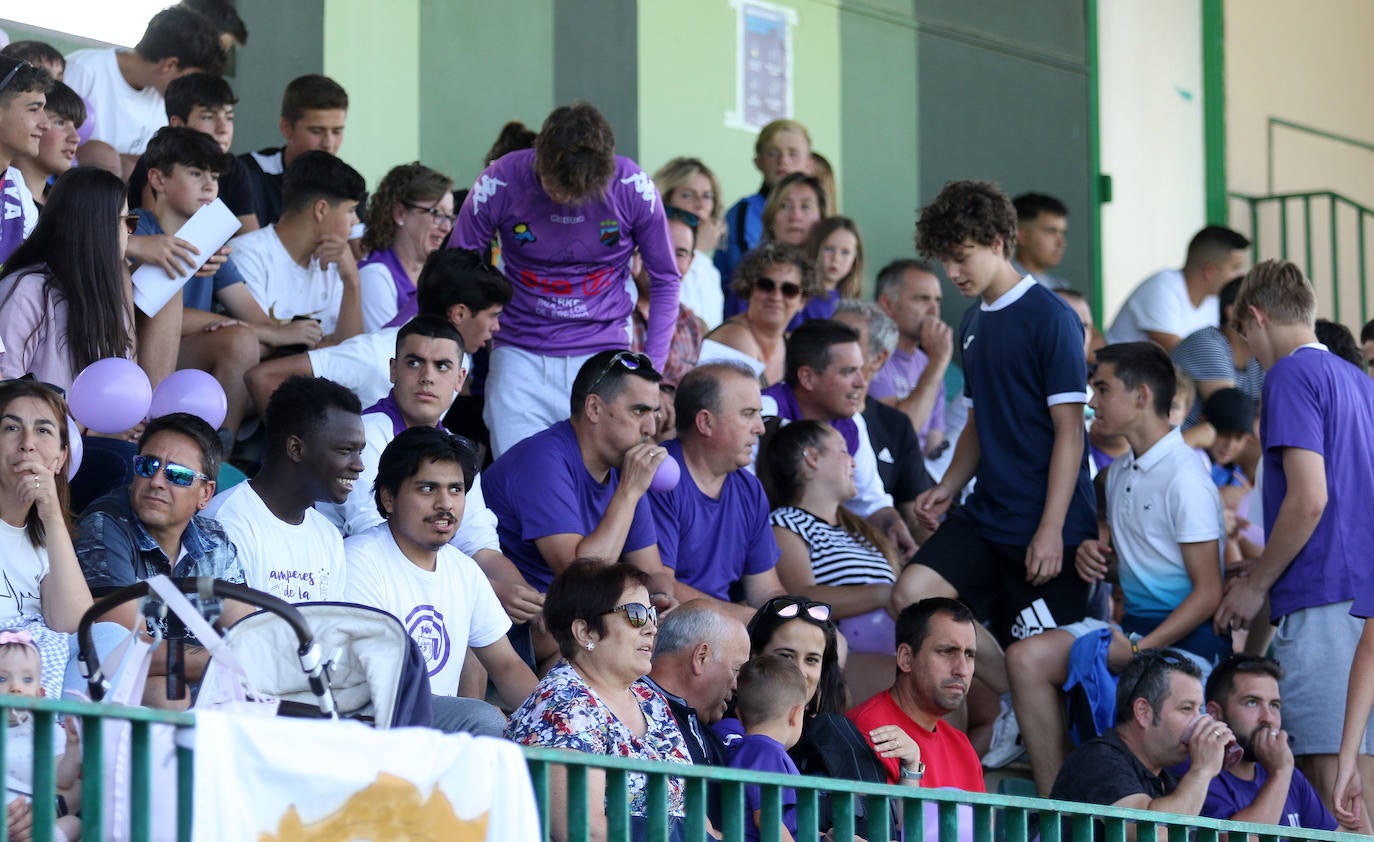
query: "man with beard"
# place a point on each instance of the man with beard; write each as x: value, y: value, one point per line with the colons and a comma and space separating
x: 406, y: 567
x: 936, y: 646
x: 1264, y: 787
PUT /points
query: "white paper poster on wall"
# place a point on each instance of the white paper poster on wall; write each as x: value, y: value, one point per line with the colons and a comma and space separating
x: 763, y: 64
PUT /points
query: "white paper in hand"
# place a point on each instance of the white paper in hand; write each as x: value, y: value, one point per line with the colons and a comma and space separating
x: 208, y: 230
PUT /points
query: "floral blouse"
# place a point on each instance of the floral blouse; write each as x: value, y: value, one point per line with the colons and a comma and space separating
x: 564, y: 712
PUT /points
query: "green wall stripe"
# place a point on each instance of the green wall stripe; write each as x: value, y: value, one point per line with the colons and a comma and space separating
x: 1214, y: 109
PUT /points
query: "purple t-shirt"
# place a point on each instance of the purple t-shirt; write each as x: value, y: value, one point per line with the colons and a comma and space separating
x: 541, y: 487
x: 898, y: 376
x: 1228, y: 795
x: 761, y: 753
x: 1318, y: 402
x: 570, y: 265
x: 712, y: 544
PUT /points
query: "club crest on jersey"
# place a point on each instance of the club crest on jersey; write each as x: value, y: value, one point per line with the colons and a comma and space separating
x: 610, y: 233
x: 521, y: 233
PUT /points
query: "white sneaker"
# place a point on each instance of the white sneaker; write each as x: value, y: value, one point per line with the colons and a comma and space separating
x: 1006, y: 739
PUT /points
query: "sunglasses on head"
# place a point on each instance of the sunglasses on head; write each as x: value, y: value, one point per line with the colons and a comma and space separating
x: 767, y: 284
x: 180, y: 475
x: 4, y: 83
x: 628, y: 360
x: 687, y: 218
x: 788, y: 607
x: 31, y: 378
x: 637, y: 613
x: 1153, y: 661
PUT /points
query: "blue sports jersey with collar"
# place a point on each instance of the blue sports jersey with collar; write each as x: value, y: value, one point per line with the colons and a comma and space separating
x: 1022, y: 354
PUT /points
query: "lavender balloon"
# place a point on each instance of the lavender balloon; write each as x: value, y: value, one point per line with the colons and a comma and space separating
x: 667, y: 476
x: 190, y: 390
x: 76, y: 448
x: 110, y: 395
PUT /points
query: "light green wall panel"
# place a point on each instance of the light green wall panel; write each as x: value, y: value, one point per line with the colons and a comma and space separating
x: 481, y: 65
x: 375, y: 56
x: 687, y: 79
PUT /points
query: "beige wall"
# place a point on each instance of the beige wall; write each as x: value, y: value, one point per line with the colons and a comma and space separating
x: 1306, y: 63
x: 1150, y: 96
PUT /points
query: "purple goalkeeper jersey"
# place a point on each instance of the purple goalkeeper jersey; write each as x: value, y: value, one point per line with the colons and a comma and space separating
x: 570, y: 265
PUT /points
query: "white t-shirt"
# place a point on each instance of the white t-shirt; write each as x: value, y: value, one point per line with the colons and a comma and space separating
x: 1161, y: 304
x: 128, y: 117
x: 378, y: 290
x: 476, y: 530
x: 453, y: 604
x: 298, y: 563
x: 24, y: 567
x: 17, y: 193
x: 282, y: 287
x: 701, y: 292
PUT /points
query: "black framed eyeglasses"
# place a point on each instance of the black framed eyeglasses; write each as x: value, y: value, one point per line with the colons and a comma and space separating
x: 637, y: 613
x: 1153, y: 659
x: 628, y: 360
x: 179, y: 475
x: 14, y: 71
x: 767, y: 284
x: 439, y: 217
x: 789, y: 607
x: 687, y: 218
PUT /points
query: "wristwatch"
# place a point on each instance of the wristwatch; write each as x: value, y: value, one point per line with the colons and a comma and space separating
x: 916, y: 775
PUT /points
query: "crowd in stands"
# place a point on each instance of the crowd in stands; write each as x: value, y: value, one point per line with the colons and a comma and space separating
x: 648, y: 476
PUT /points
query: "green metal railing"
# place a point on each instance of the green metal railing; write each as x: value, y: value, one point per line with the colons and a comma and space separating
x: 993, y: 818
x: 1327, y: 239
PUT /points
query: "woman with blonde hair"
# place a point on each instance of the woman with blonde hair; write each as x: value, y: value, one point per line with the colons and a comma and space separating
x: 688, y: 184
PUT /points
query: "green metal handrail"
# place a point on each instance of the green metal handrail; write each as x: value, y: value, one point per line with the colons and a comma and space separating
x: 994, y: 817
x: 1011, y: 812
x: 1335, y: 203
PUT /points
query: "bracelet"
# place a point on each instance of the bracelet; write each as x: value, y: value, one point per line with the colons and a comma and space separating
x: 916, y: 775
x: 1135, y: 648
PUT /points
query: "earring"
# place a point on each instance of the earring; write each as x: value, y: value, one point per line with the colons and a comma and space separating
x: 591, y: 644
x: 400, y: 223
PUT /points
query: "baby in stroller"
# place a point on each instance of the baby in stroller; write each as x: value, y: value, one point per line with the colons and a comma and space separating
x: 21, y: 674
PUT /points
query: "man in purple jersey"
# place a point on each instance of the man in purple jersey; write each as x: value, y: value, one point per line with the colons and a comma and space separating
x: 713, y: 529
x: 568, y: 214
x: 1317, y: 420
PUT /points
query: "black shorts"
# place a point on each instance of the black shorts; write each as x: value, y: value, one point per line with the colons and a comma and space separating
x: 991, y: 578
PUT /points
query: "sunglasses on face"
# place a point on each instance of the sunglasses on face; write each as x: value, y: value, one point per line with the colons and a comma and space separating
x: 179, y: 475
x: 637, y: 613
x: 789, y: 289
x: 628, y: 360
x: 439, y: 217
x: 788, y: 607
x: 130, y: 222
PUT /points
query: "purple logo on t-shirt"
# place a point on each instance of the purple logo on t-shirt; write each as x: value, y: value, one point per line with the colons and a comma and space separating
x: 426, y: 628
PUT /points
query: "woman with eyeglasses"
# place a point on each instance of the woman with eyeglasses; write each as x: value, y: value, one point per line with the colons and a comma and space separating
x: 829, y: 553
x: 66, y: 299
x: 409, y: 216
x: 802, y: 631
x: 775, y: 281
x: 688, y: 184
x: 45, y: 590
x: 593, y: 700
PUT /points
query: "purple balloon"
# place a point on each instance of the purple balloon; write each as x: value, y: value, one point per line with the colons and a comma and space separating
x: 110, y: 395
x: 76, y: 448
x: 190, y: 390
x: 667, y: 476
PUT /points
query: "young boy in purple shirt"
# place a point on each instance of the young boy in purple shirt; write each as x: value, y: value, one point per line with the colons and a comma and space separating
x: 569, y: 213
x: 1316, y: 425
x: 770, y: 699
x: 23, y: 94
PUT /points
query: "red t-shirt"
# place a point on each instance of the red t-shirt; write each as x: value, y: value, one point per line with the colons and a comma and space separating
x: 949, y: 757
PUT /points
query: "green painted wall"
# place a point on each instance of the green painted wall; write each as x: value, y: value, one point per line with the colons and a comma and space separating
x: 880, y: 127
x: 285, y: 40
x: 376, y: 59
x: 481, y: 65
x: 687, y: 60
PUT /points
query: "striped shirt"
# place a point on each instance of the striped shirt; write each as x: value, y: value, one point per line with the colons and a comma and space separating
x: 1206, y: 355
x: 837, y: 557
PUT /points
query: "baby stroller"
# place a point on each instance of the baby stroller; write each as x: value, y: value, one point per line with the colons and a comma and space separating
x: 320, y: 660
